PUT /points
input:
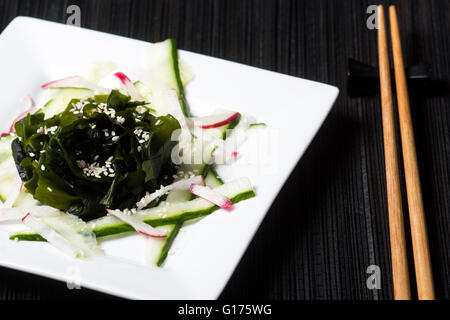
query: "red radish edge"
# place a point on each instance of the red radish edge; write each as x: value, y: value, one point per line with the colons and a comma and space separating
x: 129, y: 86
x: 25, y: 217
x: 231, y: 118
x: 234, y: 154
x: 19, y: 117
x: 123, y: 78
x: 51, y: 83
x: 151, y: 235
x: 226, y: 203
x: 143, y: 232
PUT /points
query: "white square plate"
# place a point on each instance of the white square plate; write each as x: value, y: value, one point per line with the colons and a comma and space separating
x: 33, y: 52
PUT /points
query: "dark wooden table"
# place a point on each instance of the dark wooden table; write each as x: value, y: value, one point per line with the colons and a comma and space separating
x: 320, y: 245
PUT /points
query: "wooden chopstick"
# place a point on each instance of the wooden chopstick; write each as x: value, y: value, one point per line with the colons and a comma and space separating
x: 422, y: 263
x: 399, y: 258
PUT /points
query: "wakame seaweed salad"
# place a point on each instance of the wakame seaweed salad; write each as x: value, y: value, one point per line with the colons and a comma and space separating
x: 102, y: 152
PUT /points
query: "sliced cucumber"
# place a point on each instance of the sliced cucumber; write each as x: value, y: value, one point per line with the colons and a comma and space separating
x: 164, y: 74
x: 236, y: 190
x: 7, y: 182
x: 5, y: 147
x: 172, y: 213
x: 8, y: 171
x: 61, y: 98
x: 74, y: 230
x: 25, y: 199
x: 157, y: 248
x: 168, y: 244
x: 212, y: 179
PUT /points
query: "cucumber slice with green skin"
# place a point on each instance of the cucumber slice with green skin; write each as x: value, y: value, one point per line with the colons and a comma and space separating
x: 165, y: 70
x: 168, y: 244
x: 7, y: 182
x: 8, y: 171
x: 236, y: 191
x: 258, y: 125
x: 74, y: 230
x: 173, y: 56
x: 154, y: 247
x: 5, y: 147
x: 173, y: 213
x: 212, y: 179
x: 25, y: 200
x: 61, y: 98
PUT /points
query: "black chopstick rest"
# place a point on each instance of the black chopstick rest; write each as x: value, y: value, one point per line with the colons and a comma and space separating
x: 363, y: 79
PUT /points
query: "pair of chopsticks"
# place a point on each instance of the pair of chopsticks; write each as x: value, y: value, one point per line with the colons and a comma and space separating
x: 422, y: 264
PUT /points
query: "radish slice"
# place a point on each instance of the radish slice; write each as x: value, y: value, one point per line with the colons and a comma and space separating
x: 64, y: 82
x: 21, y: 116
x: 179, y: 185
x: 215, y: 121
x: 51, y: 236
x: 72, y: 81
x: 13, y: 214
x: 129, y: 86
x: 186, y: 183
x: 211, y: 195
x: 137, y: 224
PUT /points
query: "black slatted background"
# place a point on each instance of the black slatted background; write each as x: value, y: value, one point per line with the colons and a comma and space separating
x: 320, y: 245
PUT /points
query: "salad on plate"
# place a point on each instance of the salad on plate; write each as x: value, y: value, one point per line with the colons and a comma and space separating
x: 97, y: 160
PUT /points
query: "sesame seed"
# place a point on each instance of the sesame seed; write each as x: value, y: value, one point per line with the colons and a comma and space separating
x: 49, y: 189
x: 42, y: 167
x: 115, y: 138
